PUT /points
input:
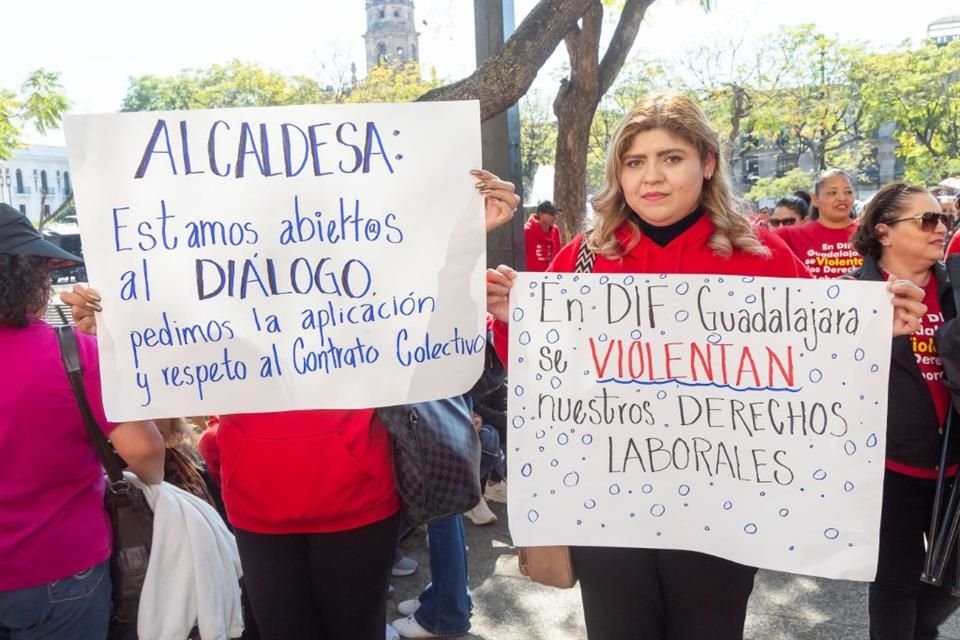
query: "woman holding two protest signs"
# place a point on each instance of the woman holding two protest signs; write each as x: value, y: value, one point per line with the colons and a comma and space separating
x: 312, y: 500
x: 902, y: 234
x: 668, y: 207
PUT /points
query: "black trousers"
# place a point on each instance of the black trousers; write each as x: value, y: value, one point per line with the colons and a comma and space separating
x: 323, y: 586
x: 653, y: 594
x: 901, y: 606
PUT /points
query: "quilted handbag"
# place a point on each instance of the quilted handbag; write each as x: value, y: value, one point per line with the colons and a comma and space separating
x: 436, y: 457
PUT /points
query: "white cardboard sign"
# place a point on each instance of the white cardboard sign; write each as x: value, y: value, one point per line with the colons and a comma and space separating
x: 282, y: 258
x: 736, y: 416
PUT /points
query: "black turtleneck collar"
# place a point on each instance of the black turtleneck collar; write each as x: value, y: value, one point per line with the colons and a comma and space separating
x: 665, y: 235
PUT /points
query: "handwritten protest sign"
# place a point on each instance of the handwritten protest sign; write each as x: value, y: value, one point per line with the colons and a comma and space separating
x: 737, y: 416
x: 282, y: 258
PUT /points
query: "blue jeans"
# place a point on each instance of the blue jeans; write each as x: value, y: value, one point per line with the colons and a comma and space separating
x: 491, y: 455
x: 445, y: 603
x: 74, y: 607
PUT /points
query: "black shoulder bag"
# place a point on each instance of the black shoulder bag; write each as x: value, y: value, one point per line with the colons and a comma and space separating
x: 130, y: 516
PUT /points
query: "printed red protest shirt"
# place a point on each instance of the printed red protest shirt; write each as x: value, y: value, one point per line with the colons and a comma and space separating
x: 931, y: 368
x: 827, y: 253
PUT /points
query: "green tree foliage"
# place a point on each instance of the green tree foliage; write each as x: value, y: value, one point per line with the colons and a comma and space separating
x: 538, y: 137
x: 239, y: 84
x: 820, y: 108
x: 919, y: 90
x: 766, y: 188
x: 39, y: 103
x: 736, y: 83
x: 391, y: 83
x: 235, y: 84
x: 637, y: 79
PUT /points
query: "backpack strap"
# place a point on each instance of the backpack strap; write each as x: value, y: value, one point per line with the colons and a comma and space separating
x: 585, y: 257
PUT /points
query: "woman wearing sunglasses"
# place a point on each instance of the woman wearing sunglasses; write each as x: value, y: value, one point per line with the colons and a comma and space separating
x: 902, y: 233
x: 788, y: 212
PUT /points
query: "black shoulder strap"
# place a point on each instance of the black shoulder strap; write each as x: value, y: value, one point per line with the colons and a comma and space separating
x: 70, y: 354
x: 585, y: 257
x: 953, y: 272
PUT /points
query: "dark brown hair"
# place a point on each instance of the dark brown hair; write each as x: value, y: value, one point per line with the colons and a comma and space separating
x: 795, y: 204
x: 24, y: 288
x: 886, y: 205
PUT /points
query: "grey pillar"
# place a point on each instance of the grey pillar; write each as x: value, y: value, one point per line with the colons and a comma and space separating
x: 494, y: 22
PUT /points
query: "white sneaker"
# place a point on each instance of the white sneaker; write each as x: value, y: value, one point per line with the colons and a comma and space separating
x: 497, y: 492
x: 409, y: 628
x: 405, y: 566
x: 409, y: 607
x: 481, y: 514
x: 392, y: 633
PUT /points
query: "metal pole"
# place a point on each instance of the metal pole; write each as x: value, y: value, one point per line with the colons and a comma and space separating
x: 494, y: 23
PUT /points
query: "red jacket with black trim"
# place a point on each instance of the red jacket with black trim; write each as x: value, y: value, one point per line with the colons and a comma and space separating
x: 686, y: 254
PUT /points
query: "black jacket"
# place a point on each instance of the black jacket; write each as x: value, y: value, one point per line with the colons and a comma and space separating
x: 914, y: 435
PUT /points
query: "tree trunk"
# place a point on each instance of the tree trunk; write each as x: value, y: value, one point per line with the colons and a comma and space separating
x: 740, y: 109
x: 44, y: 218
x: 577, y: 101
x: 505, y: 76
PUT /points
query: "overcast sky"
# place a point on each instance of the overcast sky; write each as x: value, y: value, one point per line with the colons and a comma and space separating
x: 97, y: 45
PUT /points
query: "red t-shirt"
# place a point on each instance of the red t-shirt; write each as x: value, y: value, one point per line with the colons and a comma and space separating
x: 541, y: 245
x: 687, y: 253
x: 306, y: 471
x: 825, y: 252
x: 931, y: 368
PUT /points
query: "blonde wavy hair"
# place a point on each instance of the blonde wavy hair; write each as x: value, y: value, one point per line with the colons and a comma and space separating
x: 681, y: 117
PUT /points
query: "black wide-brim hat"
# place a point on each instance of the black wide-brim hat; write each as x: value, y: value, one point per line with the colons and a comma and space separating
x: 19, y: 237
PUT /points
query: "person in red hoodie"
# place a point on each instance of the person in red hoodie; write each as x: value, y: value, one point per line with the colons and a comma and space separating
x: 823, y: 244
x: 312, y: 500
x: 668, y: 207
x: 542, y: 236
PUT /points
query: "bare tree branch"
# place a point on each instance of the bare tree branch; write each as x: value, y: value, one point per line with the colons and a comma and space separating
x: 622, y: 41
x: 504, y: 77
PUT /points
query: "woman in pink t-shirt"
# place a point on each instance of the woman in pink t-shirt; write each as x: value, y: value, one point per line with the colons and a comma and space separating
x: 54, y: 532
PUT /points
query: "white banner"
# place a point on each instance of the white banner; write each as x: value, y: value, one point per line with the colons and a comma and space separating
x: 736, y: 416
x: 282, y: 258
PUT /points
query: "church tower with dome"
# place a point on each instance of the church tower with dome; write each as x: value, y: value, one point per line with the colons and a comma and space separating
x: 391, y: 35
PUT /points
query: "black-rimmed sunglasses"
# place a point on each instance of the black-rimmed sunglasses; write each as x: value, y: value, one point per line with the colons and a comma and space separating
x: 781, y: 222
x: 928, y: 220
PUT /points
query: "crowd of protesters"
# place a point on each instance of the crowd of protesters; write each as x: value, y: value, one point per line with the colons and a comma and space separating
x: 310, y: 496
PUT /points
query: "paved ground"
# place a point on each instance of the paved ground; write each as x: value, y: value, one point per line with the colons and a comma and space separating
x: 510, y: 607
